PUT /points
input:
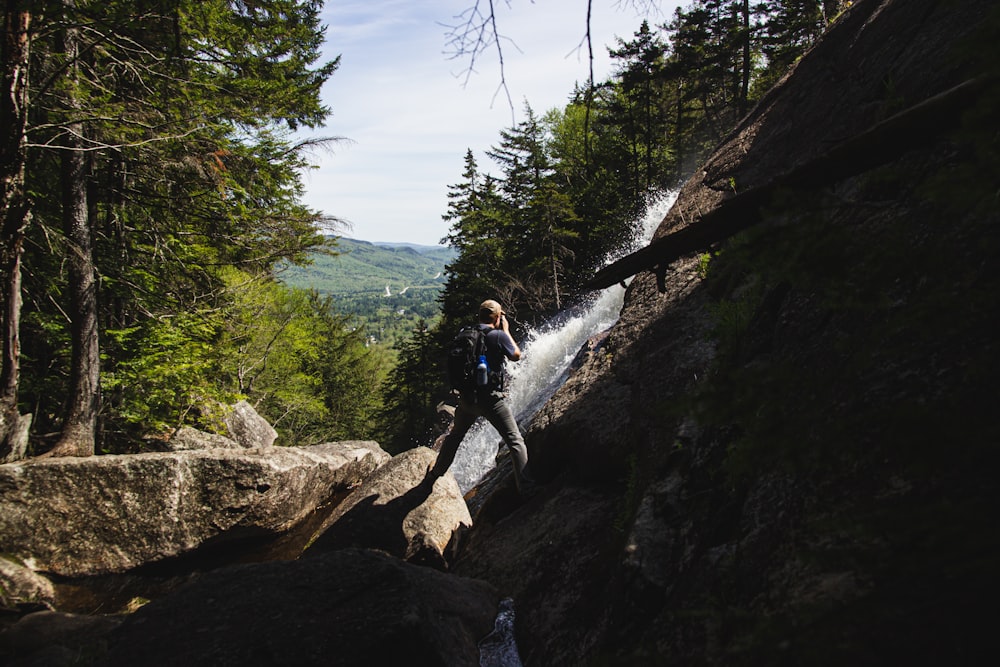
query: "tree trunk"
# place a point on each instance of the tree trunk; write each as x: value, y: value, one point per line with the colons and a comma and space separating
x: 14, y: 217
x: 77, y: 437
x: 747, y: 61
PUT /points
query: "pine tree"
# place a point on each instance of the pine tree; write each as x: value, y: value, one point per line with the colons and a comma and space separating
x: 189, y: 176
x: 643, y: 115
x: 409, y: 416
x: 476, y: 214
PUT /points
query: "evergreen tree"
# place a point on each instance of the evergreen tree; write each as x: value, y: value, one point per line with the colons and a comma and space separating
x: 410, y: 393
x: 537, y: 219
x: 476, y: 213
x: 789, y: 27
x: 642, y: 114
x: 192, y: 174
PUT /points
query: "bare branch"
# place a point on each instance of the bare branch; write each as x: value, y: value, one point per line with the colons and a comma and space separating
x: 101, y: 146
x: 475, y: 31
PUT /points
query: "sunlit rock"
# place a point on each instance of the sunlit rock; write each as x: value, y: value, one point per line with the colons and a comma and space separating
x: 187, y: 439
x: 79, y: 516
x: 247, y: 427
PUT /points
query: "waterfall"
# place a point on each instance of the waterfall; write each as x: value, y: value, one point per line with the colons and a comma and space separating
x: 544, y: 366
x: 499, y: 648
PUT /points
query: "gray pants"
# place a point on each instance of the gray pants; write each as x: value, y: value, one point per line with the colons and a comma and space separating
x: 494, y: 408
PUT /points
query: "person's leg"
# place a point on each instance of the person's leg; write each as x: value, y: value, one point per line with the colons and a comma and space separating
x: 465, y: 417
x: 501, y: 417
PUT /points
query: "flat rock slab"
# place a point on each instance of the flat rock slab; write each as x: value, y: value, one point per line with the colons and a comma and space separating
x: 101, y: 514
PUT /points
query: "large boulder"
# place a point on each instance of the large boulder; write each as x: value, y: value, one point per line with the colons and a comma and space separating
x: 186, y: 439
x: 100, y: 514
x: 247, y: 427
x: 402, y: 511
x: 349, y: 607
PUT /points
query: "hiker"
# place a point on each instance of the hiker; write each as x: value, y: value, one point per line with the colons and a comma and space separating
x: 489, y: 401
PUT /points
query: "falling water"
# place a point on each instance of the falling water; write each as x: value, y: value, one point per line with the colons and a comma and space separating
x: 499, y: 648
x: 544, y: 366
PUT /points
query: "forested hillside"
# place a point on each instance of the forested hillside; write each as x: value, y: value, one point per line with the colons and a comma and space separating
x: 151, y: 185
x: 387, y: 288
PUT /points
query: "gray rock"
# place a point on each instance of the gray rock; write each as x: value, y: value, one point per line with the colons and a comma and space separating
x: 187, y: 439
x: 100, y: 514
x: 20, y: 585
x: 396, y: 511
x: 248, y: 428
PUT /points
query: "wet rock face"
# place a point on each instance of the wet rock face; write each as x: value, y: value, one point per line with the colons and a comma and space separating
x: 100, y: 514
x: 654, y: 354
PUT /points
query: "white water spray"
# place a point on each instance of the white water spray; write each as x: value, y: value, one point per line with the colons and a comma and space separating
x: 544, y: 366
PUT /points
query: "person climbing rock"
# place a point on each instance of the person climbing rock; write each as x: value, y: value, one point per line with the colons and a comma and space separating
x: 488, y: 398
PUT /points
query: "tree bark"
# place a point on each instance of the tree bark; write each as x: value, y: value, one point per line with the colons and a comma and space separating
x: 77, y: 436
x: 14, y: 217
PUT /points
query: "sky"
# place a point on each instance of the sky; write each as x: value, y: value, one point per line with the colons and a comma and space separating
x: 408, y: 113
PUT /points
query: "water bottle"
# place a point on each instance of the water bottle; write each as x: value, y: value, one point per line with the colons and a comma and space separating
x: 482, y: 373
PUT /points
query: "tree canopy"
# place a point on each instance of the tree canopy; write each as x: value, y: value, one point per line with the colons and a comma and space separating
x: 167, y: 126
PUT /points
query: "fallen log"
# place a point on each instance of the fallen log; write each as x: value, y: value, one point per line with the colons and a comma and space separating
x: 882, y: 143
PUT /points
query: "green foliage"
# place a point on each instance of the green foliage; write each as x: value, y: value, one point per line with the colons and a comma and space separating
x: 411, y: 391
x: 157, y: 373
x: 305, y: 368
x: 193, y: 188
x: 356, y: 279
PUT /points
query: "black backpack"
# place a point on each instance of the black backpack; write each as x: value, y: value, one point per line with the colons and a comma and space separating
x: 463, y: 356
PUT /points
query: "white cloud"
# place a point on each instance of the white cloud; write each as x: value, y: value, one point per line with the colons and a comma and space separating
x: 401, y: 102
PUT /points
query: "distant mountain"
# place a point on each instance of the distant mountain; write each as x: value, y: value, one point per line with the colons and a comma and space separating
x: 362, y: 267
x: 430, y: 250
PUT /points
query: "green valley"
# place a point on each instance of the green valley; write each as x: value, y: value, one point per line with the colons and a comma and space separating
x: 386, y: 287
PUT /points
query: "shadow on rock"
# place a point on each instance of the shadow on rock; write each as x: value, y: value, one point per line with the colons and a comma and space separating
x: 349, y: 607
x: 401, y: 509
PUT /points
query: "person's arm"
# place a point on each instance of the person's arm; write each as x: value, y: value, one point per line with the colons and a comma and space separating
x: 514, y: 352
